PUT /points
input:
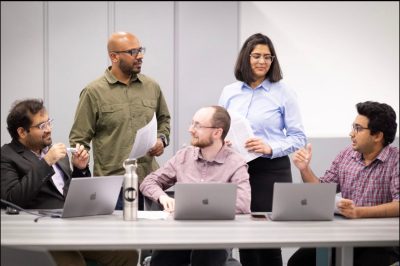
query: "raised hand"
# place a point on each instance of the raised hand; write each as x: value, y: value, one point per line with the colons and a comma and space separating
x: 302, y: 157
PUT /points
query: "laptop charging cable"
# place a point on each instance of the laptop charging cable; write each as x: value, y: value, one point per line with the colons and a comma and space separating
x: 13, y: 209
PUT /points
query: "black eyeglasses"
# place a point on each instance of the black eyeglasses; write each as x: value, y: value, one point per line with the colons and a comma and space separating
x: 133, y: 52
x: 357, y: 128
x: 42, y: 126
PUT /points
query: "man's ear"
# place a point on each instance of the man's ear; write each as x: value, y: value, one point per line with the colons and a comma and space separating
x: 114, y: 57
x: 218, y: 133
x: 22, y: 133
x: 379, y: 137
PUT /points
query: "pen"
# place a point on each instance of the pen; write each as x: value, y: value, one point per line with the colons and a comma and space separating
x: 72, y: 150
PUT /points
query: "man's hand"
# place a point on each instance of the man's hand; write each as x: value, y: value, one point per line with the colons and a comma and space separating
x: 157, y: 149
x: 302, y: 157
x: 55, y: 153
x: 167, y: 202
x: 347, y: 208
x: 80, y: 158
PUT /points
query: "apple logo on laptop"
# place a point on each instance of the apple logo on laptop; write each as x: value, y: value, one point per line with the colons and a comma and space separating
x: 205, y: 201
x: 93, y: 196
x: 303, y: 202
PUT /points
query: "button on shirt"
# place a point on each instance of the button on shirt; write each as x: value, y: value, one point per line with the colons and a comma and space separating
x: 272, y: 111
x: 371, y: 185
x: 189, y: 166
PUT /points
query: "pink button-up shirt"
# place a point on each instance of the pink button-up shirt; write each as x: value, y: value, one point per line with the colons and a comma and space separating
x: 189, y: 166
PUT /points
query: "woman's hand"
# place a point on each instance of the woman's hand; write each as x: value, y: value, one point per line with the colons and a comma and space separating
x: 258, y: 146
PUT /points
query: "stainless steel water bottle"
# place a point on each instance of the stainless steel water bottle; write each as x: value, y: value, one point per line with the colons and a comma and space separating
x: 130, y: 193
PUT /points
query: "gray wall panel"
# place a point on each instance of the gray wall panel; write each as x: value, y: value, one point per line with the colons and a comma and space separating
x: 207, y: 50
x: 21, y: 55
x: 77, y: 55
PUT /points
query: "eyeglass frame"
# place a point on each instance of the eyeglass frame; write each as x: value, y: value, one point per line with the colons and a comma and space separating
x: 270, y: 58
x: 357, y: 128
x: 196, y: 126
x: 43, y: 125
x: 133, y: 52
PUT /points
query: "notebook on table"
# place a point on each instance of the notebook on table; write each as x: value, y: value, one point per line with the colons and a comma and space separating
x: 205, y: 201
x: 89, y: 196
x: 303, y: 202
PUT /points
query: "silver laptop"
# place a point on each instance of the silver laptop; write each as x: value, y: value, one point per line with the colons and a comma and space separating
x: 205, y: 201
x: 89, y: 196
x: 303, y: 202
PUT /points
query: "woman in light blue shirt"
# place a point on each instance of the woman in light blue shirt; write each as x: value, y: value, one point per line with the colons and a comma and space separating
x: 274, y: 115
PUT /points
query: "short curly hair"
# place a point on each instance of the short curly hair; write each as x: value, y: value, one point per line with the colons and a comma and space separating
x: 382, y: 118
x: 21, y: 114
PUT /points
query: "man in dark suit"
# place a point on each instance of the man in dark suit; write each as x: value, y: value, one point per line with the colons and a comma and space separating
x: 35, y: 174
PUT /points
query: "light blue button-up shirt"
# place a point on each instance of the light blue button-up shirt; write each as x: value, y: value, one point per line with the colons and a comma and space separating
x: 272, y: 111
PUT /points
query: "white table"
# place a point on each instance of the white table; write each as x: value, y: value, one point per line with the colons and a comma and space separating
x: 112, y: 232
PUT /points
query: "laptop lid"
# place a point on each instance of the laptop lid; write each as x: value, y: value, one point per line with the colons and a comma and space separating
x: 205, y: 201
x: 89, y: 196
x: 303, y: 201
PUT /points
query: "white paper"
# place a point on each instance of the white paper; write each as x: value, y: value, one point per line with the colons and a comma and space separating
x: 146, y: 138
x: 153, y: 215
x: 239, y: 132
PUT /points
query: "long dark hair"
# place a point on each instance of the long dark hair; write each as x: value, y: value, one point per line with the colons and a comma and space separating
x: 243, y: 70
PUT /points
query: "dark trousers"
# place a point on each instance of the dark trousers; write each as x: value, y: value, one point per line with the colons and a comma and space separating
x: 120, y: 202
x: 264, y: 173
x: 186, y: 257
x: 371, y: 256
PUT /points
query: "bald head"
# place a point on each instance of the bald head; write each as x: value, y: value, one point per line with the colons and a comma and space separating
x: 122, y: 41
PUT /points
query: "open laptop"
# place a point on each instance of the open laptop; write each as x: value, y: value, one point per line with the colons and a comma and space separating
x: 303, y: 202
x: 205, y: 201
x: 89, y: 196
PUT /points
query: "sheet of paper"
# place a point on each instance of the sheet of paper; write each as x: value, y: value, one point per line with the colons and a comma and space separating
x: 153, y: 215
x: 146, y: 138
x: 239, y: 132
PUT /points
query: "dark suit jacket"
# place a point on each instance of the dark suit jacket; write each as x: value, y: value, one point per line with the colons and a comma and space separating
x: 26, y: 179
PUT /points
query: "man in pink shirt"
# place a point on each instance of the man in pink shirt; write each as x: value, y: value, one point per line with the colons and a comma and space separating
x: 206, y: 160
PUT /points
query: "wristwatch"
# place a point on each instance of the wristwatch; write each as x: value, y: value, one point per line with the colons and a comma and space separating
x: 164, y: 140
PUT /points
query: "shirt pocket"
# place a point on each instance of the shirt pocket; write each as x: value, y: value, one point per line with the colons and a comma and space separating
x: 152, y: 104
x: 142, y: 112
x: 113, y: 114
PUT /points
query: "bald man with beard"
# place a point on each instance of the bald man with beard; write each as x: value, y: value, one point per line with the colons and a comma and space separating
x: 113, y: 107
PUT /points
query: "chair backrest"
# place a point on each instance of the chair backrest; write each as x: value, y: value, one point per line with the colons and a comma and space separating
x: 11, y: 256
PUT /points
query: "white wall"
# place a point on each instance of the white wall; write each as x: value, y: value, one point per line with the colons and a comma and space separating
x: 334, y: 54
x: 52, y: 50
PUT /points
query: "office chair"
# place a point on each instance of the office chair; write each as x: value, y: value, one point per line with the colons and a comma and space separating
x: 231, y: 261
x: 145, y: 255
